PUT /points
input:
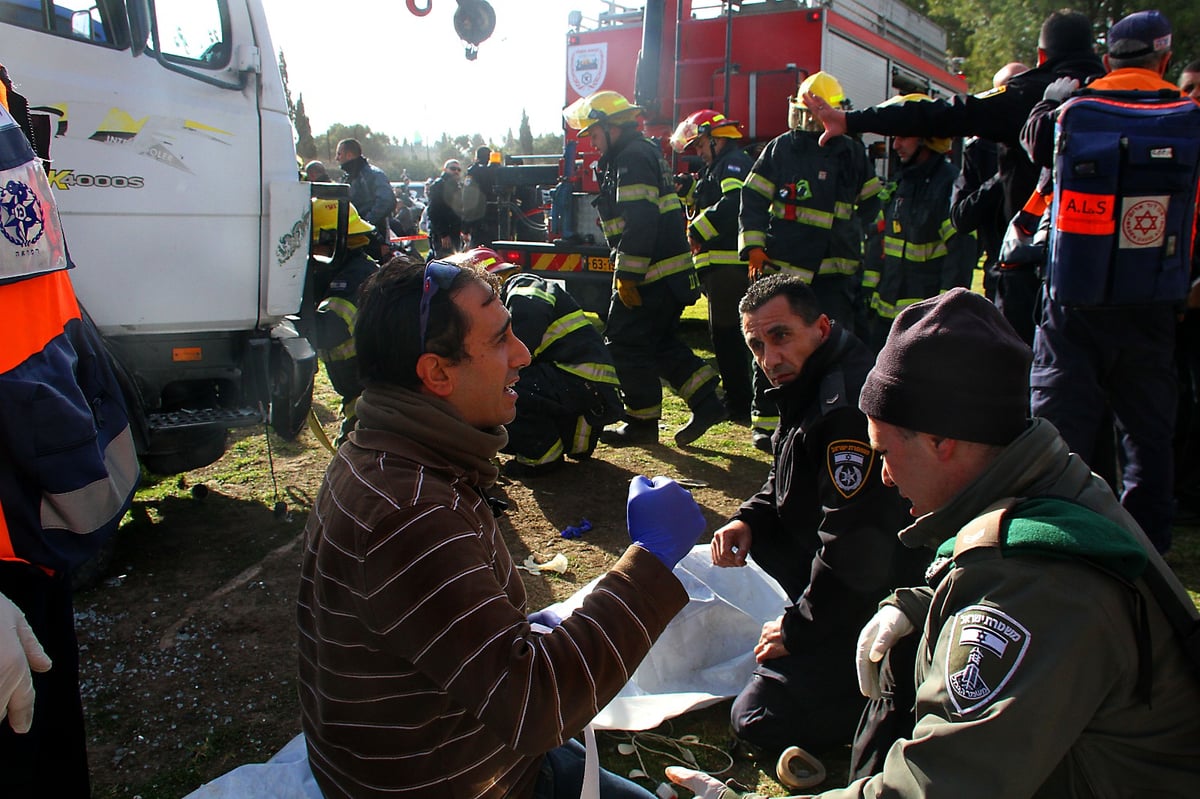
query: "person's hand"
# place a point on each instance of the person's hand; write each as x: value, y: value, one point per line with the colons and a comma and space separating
x: 882, y: 632
x: 834, y: 119
x: 545, y: 619
x: 702, y: 785
x: 694, y: 242
x: 757, y: 257
x: 731, y: 544
x: 663, y: 518
x: 20, y: 653
x: 770, y: 641
x: 627, y: 292
x: 1060, y: 89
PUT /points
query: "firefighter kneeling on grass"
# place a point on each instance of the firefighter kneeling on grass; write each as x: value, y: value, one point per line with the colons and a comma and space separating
x: 569, y: 391
x: 642, y: 219
x: 338, y: 277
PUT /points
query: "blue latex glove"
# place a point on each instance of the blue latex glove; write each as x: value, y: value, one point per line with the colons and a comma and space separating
x: 663, y: 518
x: 545, y: 618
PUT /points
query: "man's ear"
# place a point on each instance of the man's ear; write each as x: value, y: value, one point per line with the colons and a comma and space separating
x: 943, y: 448
x: 435, y: 377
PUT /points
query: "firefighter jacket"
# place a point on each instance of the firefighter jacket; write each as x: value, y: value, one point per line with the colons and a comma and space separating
x: 996, y: 115
x: 807, y: 205
x: 717, y: 198
x: 551, y: 325
x: 825, y: 493
x: 65, y: 442
x: 640, y: 213
x: 334, y: 331
x: 922, y: 254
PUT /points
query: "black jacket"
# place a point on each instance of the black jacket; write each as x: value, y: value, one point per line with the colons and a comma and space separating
x: 717, y: 197
x: 825, y: 493
x: 445, y: 207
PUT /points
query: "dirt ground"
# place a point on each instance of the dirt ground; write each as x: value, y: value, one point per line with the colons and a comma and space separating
x: 188, y: 643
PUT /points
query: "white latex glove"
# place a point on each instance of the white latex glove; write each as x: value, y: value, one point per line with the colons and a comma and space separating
x: 1060, y: 89
x: 882, y: 632
x: 19, y: 652
x: 699, y: 783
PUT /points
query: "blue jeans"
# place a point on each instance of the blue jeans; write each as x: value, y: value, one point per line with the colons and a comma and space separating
x: 561, y: 777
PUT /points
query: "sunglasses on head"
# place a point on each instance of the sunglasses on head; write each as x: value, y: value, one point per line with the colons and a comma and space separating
x: 439, y: 276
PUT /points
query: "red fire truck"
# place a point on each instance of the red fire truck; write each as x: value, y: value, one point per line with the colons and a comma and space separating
x: 673, y: 57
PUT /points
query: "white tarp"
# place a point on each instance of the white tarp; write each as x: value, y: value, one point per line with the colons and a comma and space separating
x: 706, y: 654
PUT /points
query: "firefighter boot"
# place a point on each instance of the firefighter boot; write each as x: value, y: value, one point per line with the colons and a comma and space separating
x: 707, y: 413
x: 631, y: 433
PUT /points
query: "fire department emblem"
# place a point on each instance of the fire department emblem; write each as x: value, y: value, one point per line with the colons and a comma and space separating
x: 21, y: 219
x: 586, y: 67
x: 1143, y: 221
x: 849, y: 462
x: 986, y: 648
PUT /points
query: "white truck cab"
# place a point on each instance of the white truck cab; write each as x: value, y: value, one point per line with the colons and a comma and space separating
x: 174, y: 166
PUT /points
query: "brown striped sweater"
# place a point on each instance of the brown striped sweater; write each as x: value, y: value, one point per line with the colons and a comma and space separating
x: 419, y: 675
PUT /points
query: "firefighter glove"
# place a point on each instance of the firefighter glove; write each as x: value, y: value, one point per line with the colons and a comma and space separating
x: 1060, y: 89
x: 758, y: 260
x: 663, y: 518
x: 881, y: 633
x: 683, y: 184
x: 627, y: 291
x: 20, y: 653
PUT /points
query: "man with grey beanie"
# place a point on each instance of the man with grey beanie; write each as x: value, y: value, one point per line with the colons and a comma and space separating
x: 1053, y: 659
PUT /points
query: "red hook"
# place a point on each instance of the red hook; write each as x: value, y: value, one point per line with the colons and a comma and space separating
x: 420, y: 12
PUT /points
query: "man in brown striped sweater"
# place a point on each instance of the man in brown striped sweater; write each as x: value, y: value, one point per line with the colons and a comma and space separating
x: 420, y: 673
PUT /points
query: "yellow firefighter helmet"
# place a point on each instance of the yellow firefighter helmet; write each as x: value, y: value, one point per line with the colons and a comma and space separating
x: 605, y: 106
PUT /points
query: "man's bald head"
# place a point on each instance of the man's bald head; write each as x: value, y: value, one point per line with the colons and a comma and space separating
x: 1007, y: 73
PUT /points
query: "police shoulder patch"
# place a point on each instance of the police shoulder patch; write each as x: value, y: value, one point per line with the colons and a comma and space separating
x: 849, y: 462
x: 991, y: 92
x: 986, y: 648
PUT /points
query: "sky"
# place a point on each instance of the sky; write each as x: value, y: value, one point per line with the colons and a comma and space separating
x: 404, y: 75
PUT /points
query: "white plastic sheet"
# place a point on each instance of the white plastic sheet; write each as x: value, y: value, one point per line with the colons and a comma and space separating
x: 706, y: 654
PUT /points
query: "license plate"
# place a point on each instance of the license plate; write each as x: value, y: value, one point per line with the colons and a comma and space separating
x: 598, y: 263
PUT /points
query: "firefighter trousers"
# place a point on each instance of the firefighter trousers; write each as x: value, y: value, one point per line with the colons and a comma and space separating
x: 558, y: 414
x: 646, y: 346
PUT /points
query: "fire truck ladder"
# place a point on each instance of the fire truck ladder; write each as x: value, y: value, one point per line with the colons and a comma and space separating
x: 681, y: 106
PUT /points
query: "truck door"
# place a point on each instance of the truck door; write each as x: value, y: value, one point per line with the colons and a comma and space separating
x: 157, y: 159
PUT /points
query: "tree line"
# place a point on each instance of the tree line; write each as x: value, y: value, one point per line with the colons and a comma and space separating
x: 394, y: 156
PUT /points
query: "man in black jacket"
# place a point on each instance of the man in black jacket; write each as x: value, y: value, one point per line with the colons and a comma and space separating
x: 445, y: 211
x: 823, y: 525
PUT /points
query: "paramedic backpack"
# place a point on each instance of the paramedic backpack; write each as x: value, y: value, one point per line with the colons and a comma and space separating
x: 1126, y: 168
